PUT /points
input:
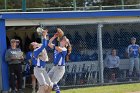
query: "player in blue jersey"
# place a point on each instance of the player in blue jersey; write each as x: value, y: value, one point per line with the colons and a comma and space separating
x: 39, y: 59
x: 133, y: 54
x: 60, y: 52
x: 29, y: 56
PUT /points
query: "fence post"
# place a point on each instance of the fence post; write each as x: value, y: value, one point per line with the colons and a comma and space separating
x: 100, y: 53
x: 23, y: 5
x: 74, y: 5
x: 5, y: 3
x: 122, y: 2
x: 139, y: 4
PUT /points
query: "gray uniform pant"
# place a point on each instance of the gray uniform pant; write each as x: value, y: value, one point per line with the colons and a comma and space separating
x: 56, y: 73
x: 42, y: 76
x: 134, y: 62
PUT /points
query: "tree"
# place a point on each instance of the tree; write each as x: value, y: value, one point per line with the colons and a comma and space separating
x: 60, y: 3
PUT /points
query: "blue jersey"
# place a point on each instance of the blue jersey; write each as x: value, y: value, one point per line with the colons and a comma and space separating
x: 35, y: 60
x: 29, y: 55
x: 135, y: 51
x: 59, y: 57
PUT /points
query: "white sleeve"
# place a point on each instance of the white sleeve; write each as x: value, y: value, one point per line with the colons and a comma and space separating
x: 128, y: 49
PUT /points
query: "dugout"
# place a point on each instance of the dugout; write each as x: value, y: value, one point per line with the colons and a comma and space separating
x: 56, y: 18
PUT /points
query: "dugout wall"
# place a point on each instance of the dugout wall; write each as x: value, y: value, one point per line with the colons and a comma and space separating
x: 58, y: 18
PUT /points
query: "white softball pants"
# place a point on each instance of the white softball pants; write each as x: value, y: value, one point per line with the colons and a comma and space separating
x: 42, y: 76
x: 56, y: 73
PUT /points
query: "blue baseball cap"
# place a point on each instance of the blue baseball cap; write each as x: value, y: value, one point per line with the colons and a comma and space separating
x: 133, y: 38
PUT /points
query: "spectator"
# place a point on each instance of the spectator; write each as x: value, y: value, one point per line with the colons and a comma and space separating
x: 18, y: 38
x: 112, y: 66
x: 14, y: 57
x: 18, y: 43
x: 133, y: 54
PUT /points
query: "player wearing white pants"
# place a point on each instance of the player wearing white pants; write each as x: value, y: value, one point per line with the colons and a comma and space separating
x: 56, y: 73
x: 43, y: 79
x: 133, y: 53
x: 39, y: 61
x: 60, y: 52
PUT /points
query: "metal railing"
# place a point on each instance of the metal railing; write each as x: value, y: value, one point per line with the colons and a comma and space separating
x: 115, y: 7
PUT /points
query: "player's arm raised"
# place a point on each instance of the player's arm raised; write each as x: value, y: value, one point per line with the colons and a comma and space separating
x: 51, y: 45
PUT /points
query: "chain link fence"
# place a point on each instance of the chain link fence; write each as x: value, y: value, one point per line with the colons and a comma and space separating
x: 86, y: 64
x: 119, y: 36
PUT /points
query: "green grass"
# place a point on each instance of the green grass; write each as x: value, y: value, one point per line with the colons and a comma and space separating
x: 125, y: 88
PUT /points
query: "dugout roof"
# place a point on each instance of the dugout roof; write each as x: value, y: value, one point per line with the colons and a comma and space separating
x: 69, y: 17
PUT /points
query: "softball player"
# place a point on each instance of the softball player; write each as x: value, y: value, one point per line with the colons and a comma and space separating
x: 60, y: 52
x: 39, y: 61
x: 133, y: 53
x: 31, y: 69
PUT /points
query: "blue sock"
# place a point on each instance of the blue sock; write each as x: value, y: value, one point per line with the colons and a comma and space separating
x: 56, y: 88
x: 58, y: 91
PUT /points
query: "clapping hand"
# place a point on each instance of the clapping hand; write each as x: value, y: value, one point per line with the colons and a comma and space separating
x: 131, y: 49
x: 13, y: 58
